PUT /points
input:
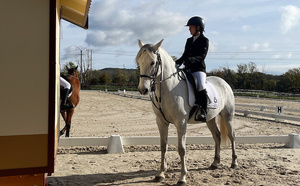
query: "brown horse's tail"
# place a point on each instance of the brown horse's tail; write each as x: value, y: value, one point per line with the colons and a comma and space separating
x: 224, y: 133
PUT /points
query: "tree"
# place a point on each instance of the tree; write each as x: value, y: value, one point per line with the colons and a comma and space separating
x: 252, y: 67
x: 290, y: 82
x: 105, y: 79
x: 242, y: 68
x: 120, y: 78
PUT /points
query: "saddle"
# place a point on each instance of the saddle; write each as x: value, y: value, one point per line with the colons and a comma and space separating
x: 212, y: 94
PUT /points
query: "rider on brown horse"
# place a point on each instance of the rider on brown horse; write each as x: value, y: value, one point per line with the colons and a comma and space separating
x: 65, y: 92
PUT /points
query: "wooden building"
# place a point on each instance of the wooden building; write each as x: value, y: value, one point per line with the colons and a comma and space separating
x: 29, y: 89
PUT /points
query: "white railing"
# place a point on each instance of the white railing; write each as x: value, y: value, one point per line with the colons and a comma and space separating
x: 115, y: 142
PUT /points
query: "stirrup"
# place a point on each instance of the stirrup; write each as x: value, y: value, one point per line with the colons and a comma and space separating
x: 200, y: 114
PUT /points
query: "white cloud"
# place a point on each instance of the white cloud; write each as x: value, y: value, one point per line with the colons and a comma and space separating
x: 117, y: 22
x: 69, y: 52
x: 213, y: 46
x: 245, y: 28
x: 290, y: 18
x: 261, y: 46
x: 287, y: 55
x: 215, y: 33
x: 244, y: 48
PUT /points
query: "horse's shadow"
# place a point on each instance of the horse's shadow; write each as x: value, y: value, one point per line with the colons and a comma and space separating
x: 104, y: 178
x: 146, y: 176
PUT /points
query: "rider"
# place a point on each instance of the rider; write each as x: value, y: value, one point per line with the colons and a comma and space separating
x: 64, y: 94
x: 193, y: 57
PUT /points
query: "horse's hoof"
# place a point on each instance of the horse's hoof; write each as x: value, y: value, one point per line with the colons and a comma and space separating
x: 234, y: 166
x: 61, y: 133
x: 181, y: 183
x: 158, y: 179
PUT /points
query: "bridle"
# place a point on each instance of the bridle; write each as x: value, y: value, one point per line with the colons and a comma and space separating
x: 153, y: 83
x: 154, y: 75
x: 72, y: 74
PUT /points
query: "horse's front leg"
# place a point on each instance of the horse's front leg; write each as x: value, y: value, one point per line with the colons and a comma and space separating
x: 181, y: 131
x: 163, y: 128
x: 68, y: 122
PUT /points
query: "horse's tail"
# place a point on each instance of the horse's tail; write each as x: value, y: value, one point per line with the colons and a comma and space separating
x: 224, y: 132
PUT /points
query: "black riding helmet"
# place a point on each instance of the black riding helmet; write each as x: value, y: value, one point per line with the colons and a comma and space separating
x: 196, y: 21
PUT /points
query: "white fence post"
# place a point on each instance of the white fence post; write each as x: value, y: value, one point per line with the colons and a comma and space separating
x: 247, y: 113
x: 263, y: 108
x: 294, y: 141
x: 115, y: 145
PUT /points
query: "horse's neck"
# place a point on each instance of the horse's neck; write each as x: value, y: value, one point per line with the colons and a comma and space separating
x: 74, y: 81
x: 167, y: 74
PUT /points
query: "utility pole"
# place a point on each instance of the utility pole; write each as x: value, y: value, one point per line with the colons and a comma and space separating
x: 81, y: 49
x: 92, y: 59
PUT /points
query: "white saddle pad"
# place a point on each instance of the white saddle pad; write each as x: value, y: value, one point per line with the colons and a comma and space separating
x: 213, y: 96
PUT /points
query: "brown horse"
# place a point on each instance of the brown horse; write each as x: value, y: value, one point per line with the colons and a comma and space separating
x: 73, y: 99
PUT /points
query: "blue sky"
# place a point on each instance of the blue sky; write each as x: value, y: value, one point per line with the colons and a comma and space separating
x: 265, y: 32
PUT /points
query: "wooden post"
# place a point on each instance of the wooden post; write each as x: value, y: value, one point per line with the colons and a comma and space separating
x: 30, y: 179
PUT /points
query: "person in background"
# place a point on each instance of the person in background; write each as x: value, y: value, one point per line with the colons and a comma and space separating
x: 64, y: 94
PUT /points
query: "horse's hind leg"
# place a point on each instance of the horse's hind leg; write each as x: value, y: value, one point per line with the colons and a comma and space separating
x: 64, y: 116
x: 212, y: 125
x: 163, y: 131
x: 228, y: 120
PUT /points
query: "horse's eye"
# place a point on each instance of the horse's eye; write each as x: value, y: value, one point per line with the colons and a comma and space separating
x: 152, y: 63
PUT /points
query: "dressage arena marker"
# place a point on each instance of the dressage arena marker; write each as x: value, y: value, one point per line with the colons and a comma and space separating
x: 115, y: 142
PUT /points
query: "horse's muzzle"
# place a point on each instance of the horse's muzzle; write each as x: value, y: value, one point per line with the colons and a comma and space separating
x: 144, y: 91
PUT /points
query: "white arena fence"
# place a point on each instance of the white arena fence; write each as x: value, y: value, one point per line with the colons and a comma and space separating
x: 115, y: 143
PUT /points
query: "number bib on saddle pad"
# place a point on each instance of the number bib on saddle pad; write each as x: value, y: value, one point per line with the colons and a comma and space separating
x: 212, y: 94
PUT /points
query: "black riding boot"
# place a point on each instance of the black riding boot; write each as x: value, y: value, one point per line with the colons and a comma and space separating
x: 64, y: 96
x: 201, y: 101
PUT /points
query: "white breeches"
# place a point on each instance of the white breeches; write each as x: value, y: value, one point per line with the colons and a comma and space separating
x: 64, y: 83
x: 201, y: 79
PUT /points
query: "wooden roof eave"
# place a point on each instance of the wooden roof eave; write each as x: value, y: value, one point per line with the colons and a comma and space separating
x: 76, y: 12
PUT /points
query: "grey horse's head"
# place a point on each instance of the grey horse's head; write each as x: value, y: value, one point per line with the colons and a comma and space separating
x: 146, y: 60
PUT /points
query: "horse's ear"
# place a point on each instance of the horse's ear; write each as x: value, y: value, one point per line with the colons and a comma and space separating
x: 76, y: 67
x: 141, y: 44
x: 157, y: 45
x: 67, y: 67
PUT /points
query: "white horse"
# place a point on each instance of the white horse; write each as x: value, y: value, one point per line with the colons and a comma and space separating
x: 171, y: 105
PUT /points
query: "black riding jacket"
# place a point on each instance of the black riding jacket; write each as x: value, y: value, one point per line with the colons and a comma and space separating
x: 194, y: 54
